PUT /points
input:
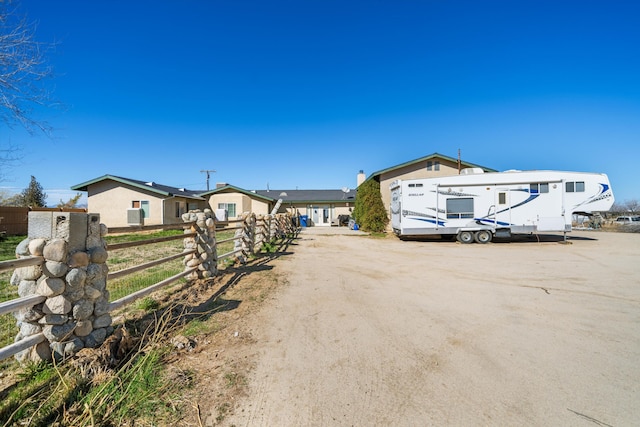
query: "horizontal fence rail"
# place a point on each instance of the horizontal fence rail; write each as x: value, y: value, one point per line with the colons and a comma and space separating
x: 148, y: 290
x: 14, y: 305
x: 138, y: 228
x: 20, y: 262
x: 130, y: 270
x: 24, y: 344
x: 114, y: 246
x: 228, y: 254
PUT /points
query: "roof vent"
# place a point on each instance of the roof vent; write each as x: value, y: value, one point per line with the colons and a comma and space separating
x: 182, y: 189
x: 471, y: 171
x: 150, y: 183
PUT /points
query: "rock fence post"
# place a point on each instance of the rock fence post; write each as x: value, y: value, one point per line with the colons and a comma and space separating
x: 260, y: 238
x: 248, y: 234
x: 73, y: 278
x: 273, y: 227
x: 204, y: 242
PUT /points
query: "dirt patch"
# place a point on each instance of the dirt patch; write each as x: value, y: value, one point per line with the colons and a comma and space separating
x: 216, y: 364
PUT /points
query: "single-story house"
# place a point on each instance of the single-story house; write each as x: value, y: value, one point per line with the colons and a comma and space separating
x: 429, y: 166
x: 322, y: 207
x: 124, y: 201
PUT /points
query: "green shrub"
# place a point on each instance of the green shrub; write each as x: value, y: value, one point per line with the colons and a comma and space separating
x: 369, y: 211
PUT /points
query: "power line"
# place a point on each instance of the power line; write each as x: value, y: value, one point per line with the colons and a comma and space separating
x: 207, y: 171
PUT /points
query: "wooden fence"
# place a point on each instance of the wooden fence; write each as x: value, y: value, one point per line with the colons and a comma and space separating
x: 251, y: 234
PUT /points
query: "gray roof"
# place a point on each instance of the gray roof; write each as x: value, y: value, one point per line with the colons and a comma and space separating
x: 154, y: 187
x: 311, y: 196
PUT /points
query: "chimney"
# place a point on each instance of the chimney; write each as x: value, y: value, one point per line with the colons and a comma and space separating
x: 221, y: 184
x: 361, y: 178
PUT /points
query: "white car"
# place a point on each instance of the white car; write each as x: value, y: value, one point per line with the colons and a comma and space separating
x: 623, y: 220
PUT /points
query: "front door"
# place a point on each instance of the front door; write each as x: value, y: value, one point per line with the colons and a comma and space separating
x: 321, y: 215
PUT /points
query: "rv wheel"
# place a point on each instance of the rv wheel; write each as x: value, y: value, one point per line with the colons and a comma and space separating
x: 465, y: 237
x: 483, y: 236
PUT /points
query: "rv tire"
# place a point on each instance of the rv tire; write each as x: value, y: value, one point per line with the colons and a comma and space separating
x: 483, y: 236
x: 465, y: 237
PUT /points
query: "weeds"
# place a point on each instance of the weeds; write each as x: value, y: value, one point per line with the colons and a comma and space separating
x: 148, y: 304
x: 8, y: 247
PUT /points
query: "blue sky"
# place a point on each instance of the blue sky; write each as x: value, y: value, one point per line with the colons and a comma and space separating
x: 304, y: 94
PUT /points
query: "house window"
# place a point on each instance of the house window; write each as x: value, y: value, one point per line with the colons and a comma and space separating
x: 433, y: 166
x: 141, y: 204
x: 574, y: 187
x: 542, y: 187
x: 229, y: 207
x: 502, y: 198
x: 460, y: 208
x: 179, y: 209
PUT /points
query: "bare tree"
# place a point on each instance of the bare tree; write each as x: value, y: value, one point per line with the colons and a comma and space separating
x: 23, y: 72
x: 632, y: 205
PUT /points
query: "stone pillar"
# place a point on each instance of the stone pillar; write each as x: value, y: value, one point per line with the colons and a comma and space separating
x: 259, y: 231
x: 248, y: 234
x: 273, y: 226
x: 73, y: 278
x: 204, y: 243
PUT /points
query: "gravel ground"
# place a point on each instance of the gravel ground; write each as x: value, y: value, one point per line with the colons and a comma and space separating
x: 377, y: 331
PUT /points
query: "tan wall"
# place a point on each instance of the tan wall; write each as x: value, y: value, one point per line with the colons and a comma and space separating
x: 243, y: 203
x: 111, y: 200
x: 414, y: 171
x: 170, y: 208
x: 337, y: 209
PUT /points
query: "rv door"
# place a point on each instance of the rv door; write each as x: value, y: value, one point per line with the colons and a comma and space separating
x: 502, y: 208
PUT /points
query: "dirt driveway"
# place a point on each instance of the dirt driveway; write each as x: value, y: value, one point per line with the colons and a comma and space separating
x: 373, y: 331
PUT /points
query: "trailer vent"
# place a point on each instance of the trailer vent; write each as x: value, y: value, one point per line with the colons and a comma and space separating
x: 135, y: 217
x: 471, y: 171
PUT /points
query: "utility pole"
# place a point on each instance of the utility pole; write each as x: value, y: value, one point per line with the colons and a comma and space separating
x: 207, y: 171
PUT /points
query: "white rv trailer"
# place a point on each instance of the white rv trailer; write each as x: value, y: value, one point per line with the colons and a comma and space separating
x: 477, y: 206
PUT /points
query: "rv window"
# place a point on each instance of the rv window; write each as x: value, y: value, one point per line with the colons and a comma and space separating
x: 460, y: 208
x: 539, y: 188
x: 502, y: 198
x: 575, y: 187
